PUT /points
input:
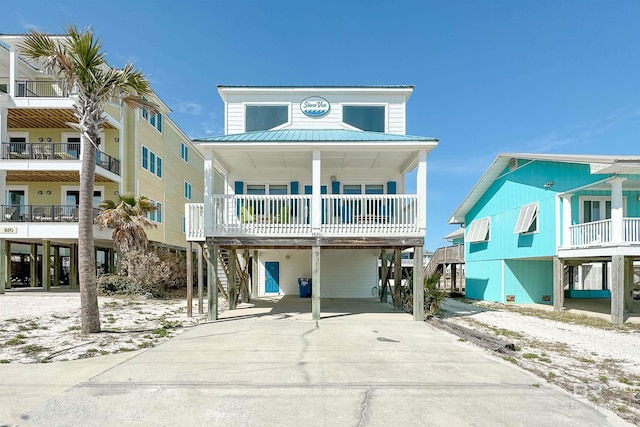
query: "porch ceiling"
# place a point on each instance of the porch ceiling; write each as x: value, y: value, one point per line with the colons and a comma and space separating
x: 38, y: 118
x: 338, y: 159
x: 48, y: 176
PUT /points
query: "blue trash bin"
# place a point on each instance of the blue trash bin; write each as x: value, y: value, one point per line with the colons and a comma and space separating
x: 304, y: 285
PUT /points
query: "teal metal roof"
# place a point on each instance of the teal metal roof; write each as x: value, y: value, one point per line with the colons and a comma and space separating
x: 315, y: 135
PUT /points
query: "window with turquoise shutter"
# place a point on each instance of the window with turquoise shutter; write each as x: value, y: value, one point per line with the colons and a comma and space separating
x: 159, y: 122
x: 152, y: 162
x: 159, y: 166
x: 145, y: 157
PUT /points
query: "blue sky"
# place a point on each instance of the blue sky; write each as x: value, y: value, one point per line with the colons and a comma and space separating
x: 554, y: 76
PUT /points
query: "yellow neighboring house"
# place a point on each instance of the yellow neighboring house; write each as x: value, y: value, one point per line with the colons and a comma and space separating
x: 141, y: 153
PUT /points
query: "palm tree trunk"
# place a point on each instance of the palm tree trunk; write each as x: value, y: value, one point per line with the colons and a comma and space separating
x: 90, y: 316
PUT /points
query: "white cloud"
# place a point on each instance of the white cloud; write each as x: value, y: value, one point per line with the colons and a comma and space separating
x: 192, y: 108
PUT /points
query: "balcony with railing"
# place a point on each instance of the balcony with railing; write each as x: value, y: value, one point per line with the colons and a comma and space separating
x: 41, y: 89
x: 54, y: 151
x: 291, y: 215
x: 41, y: 213
x: 600, y: 233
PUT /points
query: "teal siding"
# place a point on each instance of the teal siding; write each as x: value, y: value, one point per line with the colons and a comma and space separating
x: 529, y: 280
x: 484, y: 280
x: 503, y: 200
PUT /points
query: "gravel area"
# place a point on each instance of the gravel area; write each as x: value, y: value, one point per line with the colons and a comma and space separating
x: 599, y: 365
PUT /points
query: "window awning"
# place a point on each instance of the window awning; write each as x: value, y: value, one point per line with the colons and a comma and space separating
x: 478, y: 230
x: 528, y: 214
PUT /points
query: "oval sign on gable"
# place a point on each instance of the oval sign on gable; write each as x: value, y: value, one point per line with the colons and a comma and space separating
x: 314, y: 106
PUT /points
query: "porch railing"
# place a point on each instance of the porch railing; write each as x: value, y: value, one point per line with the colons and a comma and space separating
x: 41, y: 213
x: 599, y: 232
x: 55, y: 151
x: 41, y: 89
x: 291, y: 215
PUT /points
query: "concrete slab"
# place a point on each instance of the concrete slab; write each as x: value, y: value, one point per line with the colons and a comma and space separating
x: 280, y: 368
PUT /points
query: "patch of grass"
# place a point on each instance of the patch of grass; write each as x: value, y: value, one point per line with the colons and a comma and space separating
x: 29, y: 326
x: 5, y: 361
x: 32, y: 349
x: 587, y: 360
x: 92, y: 350
x: 622, y: 408
x: 12, y: 320
x: 104, y: 352
x: 112, y: 304
x: 551, y: 375
x: 160, y: 332
x: 146, y: 344
x: 625, y: 380
x: 510, y: 359
x: 544, y: 359
x: 462, y: 339
x: 74, y: 328
x: 536, y: 385
x: 60, y: 316
x: 14, y: 341
x: 530, y: 356
x: 577, y: 319
x: 603, y: 378
x: 125, y: 349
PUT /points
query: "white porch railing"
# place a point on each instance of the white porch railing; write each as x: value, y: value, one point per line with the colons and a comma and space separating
x: 598, y: 233
x: 290, y: 215
x: 631, y: 230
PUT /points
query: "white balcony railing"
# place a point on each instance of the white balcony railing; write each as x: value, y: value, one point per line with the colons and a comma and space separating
x: 599, y: 233
x: 290, y: 215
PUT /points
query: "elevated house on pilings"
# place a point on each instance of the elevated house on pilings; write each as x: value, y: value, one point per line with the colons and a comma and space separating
x: 310, y: 182
x: 554, y: 229
x: 40, y: 159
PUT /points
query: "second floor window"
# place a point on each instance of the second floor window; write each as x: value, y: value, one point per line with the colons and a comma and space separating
x: 365, y: 117
x: 264, y: 117
x: 187, y: 190
x: 184, y: 152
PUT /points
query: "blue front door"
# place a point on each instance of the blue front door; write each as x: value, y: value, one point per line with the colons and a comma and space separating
x: 272, y: 279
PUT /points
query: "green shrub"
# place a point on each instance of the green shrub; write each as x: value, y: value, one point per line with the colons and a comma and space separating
x: 111, y: 284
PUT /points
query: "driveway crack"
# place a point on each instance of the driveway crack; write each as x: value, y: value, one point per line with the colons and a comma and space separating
x: 363, y: 412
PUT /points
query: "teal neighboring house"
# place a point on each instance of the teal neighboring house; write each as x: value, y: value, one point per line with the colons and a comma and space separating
x: 542, y: 227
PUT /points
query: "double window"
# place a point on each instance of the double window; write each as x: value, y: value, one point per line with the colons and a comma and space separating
x: 151, y: 162
x: 187, y: 190
x: 154, y: 120
x: 264, y: 117
x: 365, y: 117
x: 156, y: 215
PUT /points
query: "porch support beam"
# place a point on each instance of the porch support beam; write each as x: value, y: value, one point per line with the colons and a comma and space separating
x: 5, y: 259
x: 316, y: 202
x: 315, y: 282
x: 212, y: 281
x: 383, y: 270
x: 255, y: 269
x: 421, y: 191
x: 617, y: 234
x: 566, y: 220
x: 231, y: 285
x: 4, y: 133
x: 33, y: 264
x: 628, y: 285
x: 558, y: 284
x: 189, y: 279
x: 13, y: 71
x: 200, y: 279
x: 617, y: 289
x: 418, y: 285
x: 73, y: 266
x: 7, y: 256
x: 56, y: 265
x: 209, y: 173
x: 46, y: 265
x: 397, y: 272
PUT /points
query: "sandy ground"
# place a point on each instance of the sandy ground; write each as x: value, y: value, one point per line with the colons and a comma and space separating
x: 41, y: 328
x: 601, y: 365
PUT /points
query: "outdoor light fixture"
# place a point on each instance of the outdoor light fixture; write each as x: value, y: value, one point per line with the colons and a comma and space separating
x: 333, y: 178
x: 548, y: 184
x: 40, y: 139
x: 40, y: 192
x: 48, y: 139
x: 116, y: 139
x: 48, y: 192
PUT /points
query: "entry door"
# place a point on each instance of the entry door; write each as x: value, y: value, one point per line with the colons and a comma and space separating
x: 272, y: 279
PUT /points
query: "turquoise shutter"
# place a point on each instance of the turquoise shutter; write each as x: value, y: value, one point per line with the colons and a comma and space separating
x: 159, y: 124
x: 391, y: 189
x: 335, y: 187
x: 239, y: 189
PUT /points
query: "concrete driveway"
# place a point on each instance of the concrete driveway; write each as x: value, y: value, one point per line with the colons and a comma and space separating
x: 362, y: 364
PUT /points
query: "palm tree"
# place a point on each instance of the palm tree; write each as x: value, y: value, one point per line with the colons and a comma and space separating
x: 128, y: 217
x: 77, y: 57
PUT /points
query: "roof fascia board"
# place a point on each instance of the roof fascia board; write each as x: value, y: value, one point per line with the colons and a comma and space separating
x: 297, y: 145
